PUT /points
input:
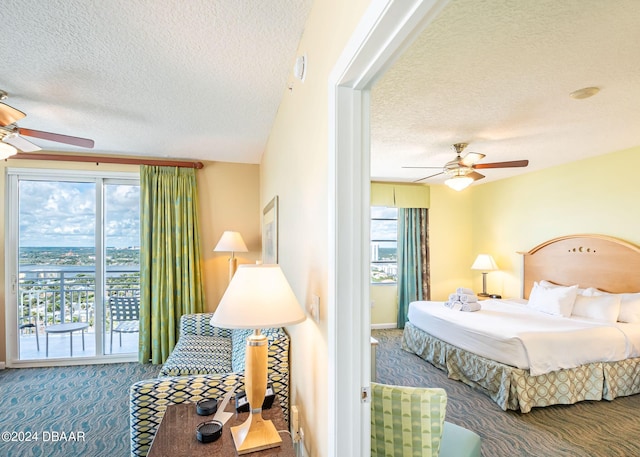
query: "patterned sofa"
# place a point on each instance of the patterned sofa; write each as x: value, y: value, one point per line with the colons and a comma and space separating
x: 206, y: 362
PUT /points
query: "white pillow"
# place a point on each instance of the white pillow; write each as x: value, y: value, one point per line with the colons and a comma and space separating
x: 550, y: 285
x: 629, y: 304
x: 557, y: 300
x: 593, y: 292
x: 602, y: 307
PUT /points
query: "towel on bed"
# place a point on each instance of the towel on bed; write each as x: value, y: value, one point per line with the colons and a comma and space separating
x: 464, y: 290
x: 471, y: 307
x: 464, y: 298
x: 456, y: 305
x: 453, y: 305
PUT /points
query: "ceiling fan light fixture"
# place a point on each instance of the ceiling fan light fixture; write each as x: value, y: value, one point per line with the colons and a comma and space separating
x: 456, y: 169
x: 459, y: 182
x: 6, y: 150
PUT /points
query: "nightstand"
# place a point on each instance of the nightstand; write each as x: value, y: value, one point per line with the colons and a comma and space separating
x: 489, y: 297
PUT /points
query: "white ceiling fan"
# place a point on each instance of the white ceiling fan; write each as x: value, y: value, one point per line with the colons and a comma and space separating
x: 11, y: 140
x: 461, y: 170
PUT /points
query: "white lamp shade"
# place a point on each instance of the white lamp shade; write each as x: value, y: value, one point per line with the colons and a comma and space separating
x: 6, y: 150
x: 258, y: 296
x: 484, y: 262
x: 231, y: 242
x: 459, y: 182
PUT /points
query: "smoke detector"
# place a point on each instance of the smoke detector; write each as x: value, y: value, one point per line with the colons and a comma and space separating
x: 300, y: 67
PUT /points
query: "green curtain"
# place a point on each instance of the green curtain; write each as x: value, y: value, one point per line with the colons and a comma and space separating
x: 413, y: 259
x: 170, y: 258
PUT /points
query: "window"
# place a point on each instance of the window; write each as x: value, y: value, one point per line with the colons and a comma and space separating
x: 74, y: 244
x: 384, y: 245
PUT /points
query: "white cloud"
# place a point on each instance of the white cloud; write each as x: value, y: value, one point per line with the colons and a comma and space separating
x: 63, y: 214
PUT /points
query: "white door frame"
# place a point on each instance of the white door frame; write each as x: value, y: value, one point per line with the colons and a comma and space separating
x: 387, y: 28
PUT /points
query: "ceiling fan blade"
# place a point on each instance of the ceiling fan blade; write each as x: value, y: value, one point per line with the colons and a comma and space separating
x: 73, y: 140
x: 9, y: 115
x: 511, y: 164
x: 475, y: 175
x: 471, y: 157
x: 20, y: 143
x: 427, y: 177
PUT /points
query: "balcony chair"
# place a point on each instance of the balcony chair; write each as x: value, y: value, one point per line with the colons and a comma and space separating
x: 125, y: 316
x: 409, y: 421
x: 30, y: 322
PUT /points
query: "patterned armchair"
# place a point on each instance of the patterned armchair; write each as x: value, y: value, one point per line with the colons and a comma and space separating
x: 206, y: 362
x: 409, y: 421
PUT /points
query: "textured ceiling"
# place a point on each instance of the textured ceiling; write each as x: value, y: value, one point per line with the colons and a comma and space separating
x: 195, y: 79
x: 497, y: 74
x: 202, y: 79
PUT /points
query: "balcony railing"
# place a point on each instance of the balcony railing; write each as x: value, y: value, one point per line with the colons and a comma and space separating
x: 56, y: 295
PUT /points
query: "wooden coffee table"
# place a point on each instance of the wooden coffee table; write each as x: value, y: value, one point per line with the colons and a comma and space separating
x: 176, y: 435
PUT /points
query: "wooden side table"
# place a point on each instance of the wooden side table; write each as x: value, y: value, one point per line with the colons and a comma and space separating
x: 176, y: 435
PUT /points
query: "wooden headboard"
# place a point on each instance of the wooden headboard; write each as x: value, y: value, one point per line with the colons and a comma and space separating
x: 599, y: 261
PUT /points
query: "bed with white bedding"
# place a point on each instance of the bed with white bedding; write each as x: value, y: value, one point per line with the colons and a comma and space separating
x: 523, y: 357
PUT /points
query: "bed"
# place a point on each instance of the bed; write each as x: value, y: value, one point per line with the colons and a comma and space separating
x: 591, y: 360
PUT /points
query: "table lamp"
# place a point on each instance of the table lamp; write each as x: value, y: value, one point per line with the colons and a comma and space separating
x: 485, y: 263
x: 258, y: 296
x: 231, y: 242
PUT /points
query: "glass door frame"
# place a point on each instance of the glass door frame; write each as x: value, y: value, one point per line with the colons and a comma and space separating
x: 12, y: 243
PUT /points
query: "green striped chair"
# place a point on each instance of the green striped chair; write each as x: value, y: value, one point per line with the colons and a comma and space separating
x: 409, y: 422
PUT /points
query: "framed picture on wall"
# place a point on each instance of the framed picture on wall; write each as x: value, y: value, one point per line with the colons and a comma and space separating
x: 270, y: 232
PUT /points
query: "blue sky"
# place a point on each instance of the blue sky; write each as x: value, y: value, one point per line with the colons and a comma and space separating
x: 63, y: 214
x: 384, y: 230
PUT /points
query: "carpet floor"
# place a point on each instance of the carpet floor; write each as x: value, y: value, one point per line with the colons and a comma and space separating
x: 586, y: 429
x: 68, y: 411
x: 84, y: 411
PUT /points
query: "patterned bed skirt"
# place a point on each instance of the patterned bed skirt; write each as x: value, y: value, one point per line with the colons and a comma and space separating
x: 514, y: 388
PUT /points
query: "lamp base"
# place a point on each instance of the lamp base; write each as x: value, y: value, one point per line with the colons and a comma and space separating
x: 255, y: 434
x: 483, y: 294
x: 233, y: 266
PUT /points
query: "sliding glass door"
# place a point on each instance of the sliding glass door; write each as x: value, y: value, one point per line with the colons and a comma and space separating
x: 121, y: 267
x: 73, y: 249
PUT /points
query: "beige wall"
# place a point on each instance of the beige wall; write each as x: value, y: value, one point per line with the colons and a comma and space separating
x: 450, y: 241
x: 229, y: 199
x: 294, y: 167
x: 384, y: 304
x: 596, y: 195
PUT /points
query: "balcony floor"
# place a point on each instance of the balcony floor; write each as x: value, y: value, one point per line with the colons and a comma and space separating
x: 59, y: 345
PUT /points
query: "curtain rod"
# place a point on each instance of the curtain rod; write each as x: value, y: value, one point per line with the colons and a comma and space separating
x: 103, y: 159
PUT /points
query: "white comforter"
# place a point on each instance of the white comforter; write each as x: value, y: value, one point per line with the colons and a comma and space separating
x: 509, y: 332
